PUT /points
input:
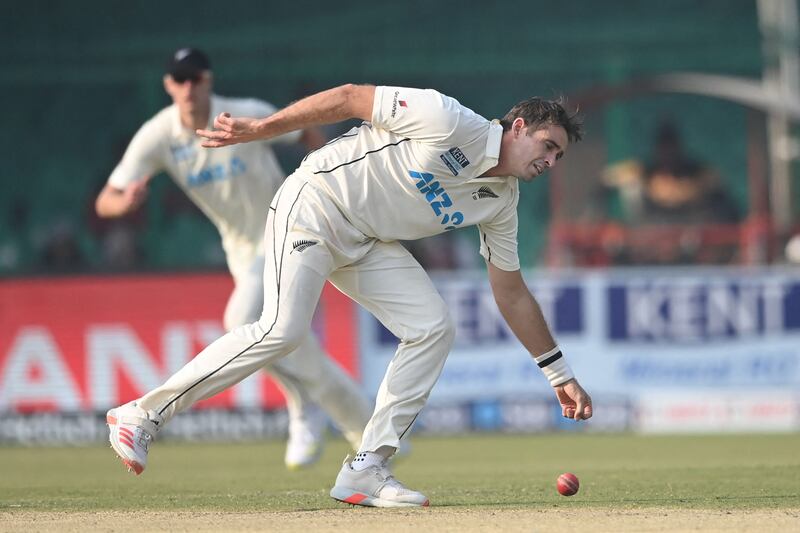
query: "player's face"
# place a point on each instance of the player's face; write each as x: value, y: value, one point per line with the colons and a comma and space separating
x: 533, y: 151
x: 189, y: 94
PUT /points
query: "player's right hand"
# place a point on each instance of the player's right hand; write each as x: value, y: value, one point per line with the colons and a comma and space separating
x: 229, y: 130
x: 575, y: 402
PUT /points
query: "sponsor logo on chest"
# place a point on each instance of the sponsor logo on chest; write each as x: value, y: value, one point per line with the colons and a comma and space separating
x: 438, y: 199
x: 222, y: 171
x: 455, y: 160
x: 183, y: 152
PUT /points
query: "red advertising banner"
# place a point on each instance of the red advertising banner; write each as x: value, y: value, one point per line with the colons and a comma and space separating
x: 90, y: 343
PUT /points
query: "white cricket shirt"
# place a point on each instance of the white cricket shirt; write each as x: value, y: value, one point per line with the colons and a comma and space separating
x: 413, y: 173
x: 233, y: 185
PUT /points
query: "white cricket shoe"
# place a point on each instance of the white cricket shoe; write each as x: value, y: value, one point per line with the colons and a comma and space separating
x: 375, y: 486
x: 131, y: 429
x: 306, y: 438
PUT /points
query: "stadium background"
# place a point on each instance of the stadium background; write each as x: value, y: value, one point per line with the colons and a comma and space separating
x: 79, y: 332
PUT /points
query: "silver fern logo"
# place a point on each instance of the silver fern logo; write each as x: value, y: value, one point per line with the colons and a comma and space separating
x: 299, y: 246
x: 483, y: 192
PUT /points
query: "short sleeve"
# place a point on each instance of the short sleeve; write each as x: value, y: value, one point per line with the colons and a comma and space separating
x: 499, y: 237
x: 143, y: 157
x: 421, y: 114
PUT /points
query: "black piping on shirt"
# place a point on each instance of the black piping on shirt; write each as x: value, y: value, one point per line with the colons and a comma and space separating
x: 363, y: 156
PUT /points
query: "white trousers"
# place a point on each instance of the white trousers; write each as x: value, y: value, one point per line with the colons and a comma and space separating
x: 308, y: 375
x: 308, y: 241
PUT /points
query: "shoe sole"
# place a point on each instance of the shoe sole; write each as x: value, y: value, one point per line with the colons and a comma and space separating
x: 133, y: 466
x: 352, y: 497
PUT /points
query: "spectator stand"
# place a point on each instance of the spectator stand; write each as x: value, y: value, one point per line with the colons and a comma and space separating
x: 605, y: 239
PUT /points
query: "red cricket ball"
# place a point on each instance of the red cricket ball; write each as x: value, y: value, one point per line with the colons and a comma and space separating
x: 567, y: 484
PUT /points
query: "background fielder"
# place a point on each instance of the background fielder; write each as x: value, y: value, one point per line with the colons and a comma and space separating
x: 233, y: 187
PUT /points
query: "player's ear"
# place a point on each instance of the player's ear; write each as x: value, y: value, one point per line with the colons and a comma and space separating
x: 167, y: 79
x: 518, y: 125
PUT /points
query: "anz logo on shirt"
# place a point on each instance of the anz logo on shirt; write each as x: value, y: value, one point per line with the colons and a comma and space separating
x: 183, y: 152
x: 438, y: 199
x: 218, y: 172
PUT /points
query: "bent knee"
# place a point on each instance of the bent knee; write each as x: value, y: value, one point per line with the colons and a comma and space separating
x: 288, y: 338
x: 445, y: 327
x: 436, y: 326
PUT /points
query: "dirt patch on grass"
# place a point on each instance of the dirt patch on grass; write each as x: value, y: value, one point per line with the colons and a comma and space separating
x: 433, y: 519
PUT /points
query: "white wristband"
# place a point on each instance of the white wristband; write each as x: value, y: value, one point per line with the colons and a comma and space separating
x: 554, y: 367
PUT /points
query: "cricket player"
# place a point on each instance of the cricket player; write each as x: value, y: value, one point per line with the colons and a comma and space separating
x: 420, y: 164
x: 234, y: 187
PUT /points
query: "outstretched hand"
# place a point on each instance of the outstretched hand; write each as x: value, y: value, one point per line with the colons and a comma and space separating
x: 230, y: 130
x: 575, y: 402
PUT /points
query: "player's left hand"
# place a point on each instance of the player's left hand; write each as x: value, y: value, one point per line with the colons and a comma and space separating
x: 575, y: 402
x: 230, y: 130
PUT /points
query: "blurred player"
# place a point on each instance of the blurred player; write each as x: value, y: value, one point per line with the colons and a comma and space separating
x: 421, y: 164
x: 234, y: 187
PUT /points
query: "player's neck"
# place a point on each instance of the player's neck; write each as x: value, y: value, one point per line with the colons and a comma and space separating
x: 196, y: 119
x: 500, y: 170
x: 494, y: 172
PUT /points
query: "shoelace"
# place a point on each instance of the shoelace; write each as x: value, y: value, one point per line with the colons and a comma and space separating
x: 143, y: 438
x: 389, y: 481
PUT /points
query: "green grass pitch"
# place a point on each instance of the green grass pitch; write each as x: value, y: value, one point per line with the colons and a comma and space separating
x: 514, y: 471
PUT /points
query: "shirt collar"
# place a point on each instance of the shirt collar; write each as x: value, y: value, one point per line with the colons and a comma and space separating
x: 178, y: 130
x: 493, y: 138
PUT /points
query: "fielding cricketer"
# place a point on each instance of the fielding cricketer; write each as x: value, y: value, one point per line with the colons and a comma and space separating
x: 420, y: 164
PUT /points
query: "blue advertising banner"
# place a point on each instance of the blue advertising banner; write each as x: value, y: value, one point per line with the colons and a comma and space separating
x: 701, y: 310
x: 632, y: 337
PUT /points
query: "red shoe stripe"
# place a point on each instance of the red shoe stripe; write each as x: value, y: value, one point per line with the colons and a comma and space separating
x: 137, y: 468
x: 355, y: 498
x: 126, y: 440
x: 127, y: 432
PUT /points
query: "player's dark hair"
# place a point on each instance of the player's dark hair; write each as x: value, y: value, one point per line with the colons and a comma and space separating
x: 537, y: 111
